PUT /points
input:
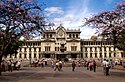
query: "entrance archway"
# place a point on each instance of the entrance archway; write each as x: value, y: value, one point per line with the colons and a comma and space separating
x: 73, y: 55
x: 47, y: 55
x: 60, y: 56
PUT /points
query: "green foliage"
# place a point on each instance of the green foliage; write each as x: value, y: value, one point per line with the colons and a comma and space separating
x: 121, y: 41
x: 111, y: 25
x: 120, y: 46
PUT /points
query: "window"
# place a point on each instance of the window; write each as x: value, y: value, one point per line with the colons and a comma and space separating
x: 114, y: 55
x: 104, y: 48
x: 95, y: 49
x: 100, y: 48
x: 73, y: 48
x: 25, y: 49
x: 100, y: 55
x: 90, y: 55
x: 30, y: 49
x: 24, y: 55
x: 69, y: 35
x: 105, y: 55
x: 122, y: 55
x: 109, y: 48
x: 20, y: 49
x: 44, y: 36
x: 95, y: 55
x: 76, y: 35
x: 34, y: 55
x: 29, y: 55
x: 50, y: 35
x: 47, y: 35
x: 33, y: 44
x: 39, y: 44
x: 57, y: 49
x: 85, y: 49
x: 86, y: 55
x: 109, y: 54
x: 20, y: 56
x: 34, y: 49
x: 73, y: 35
x: 91, y: 49
x: 39, y: 56
x: 47, y: 48
x: 39, y: 49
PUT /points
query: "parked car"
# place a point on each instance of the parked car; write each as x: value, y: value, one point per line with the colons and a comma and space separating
x: 123, y: 64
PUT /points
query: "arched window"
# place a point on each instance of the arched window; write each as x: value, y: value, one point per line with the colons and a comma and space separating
x: 69, y: 35
x: 76, y: 35
x: 73, y: 35
x: 50, y: 35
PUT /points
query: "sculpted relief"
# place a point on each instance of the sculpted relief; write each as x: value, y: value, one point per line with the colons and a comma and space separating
x: 61, y: 34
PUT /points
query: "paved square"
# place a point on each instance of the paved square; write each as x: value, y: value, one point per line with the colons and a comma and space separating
x: 48, y: 74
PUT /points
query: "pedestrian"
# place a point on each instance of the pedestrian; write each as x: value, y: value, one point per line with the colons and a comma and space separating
x: 18, y: 65
x: 107, y: 67
x: 3, y: 65
x: 60, y: 65
x: 52, y: 64
x: 104, y: 66
x: 73, y: 65
x: 57, y: 66
x: 46, y: 62
x: 87, y: 65
x: 9, y: 66
x: 91, y: 65
x: 94, y: 66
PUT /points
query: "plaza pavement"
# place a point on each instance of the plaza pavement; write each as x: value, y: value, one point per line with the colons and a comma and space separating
x: 47, y: 74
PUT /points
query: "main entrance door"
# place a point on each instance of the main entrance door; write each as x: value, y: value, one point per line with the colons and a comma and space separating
x: 61, y: 56
x: 47, y: 55
x: 73, y: 55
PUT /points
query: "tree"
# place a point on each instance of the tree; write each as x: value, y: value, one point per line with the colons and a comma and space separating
x: 111, y: 25
x: 18, y: 18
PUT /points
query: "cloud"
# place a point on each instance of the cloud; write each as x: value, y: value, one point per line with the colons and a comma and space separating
x: 87, y: 32
x: 54, y: 10
x: 73, y: 17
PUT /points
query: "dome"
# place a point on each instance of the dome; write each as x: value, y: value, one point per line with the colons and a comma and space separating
x: 94, y: 37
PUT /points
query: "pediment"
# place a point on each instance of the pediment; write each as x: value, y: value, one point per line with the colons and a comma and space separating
x: 60, y: 32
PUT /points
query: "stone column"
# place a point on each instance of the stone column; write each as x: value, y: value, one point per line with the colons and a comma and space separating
x: 88, y: 49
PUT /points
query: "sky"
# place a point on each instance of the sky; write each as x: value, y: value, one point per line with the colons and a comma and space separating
x: 72, y: 13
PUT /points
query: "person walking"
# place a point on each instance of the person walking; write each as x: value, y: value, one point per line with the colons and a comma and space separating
x: 94, y: 65
x: 52, y: 64
x: 87, y: 65
x: 3, y: 65
x: 60, y: 65
x: 91, y: 65
x: 9, y: 66
x: 107, y: 67
x: 57, y: 66
x: 73, y: 65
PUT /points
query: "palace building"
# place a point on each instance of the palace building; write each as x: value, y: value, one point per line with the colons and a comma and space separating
x: 62, y: 43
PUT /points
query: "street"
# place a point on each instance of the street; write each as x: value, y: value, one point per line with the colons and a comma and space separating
x: 47, y: 74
